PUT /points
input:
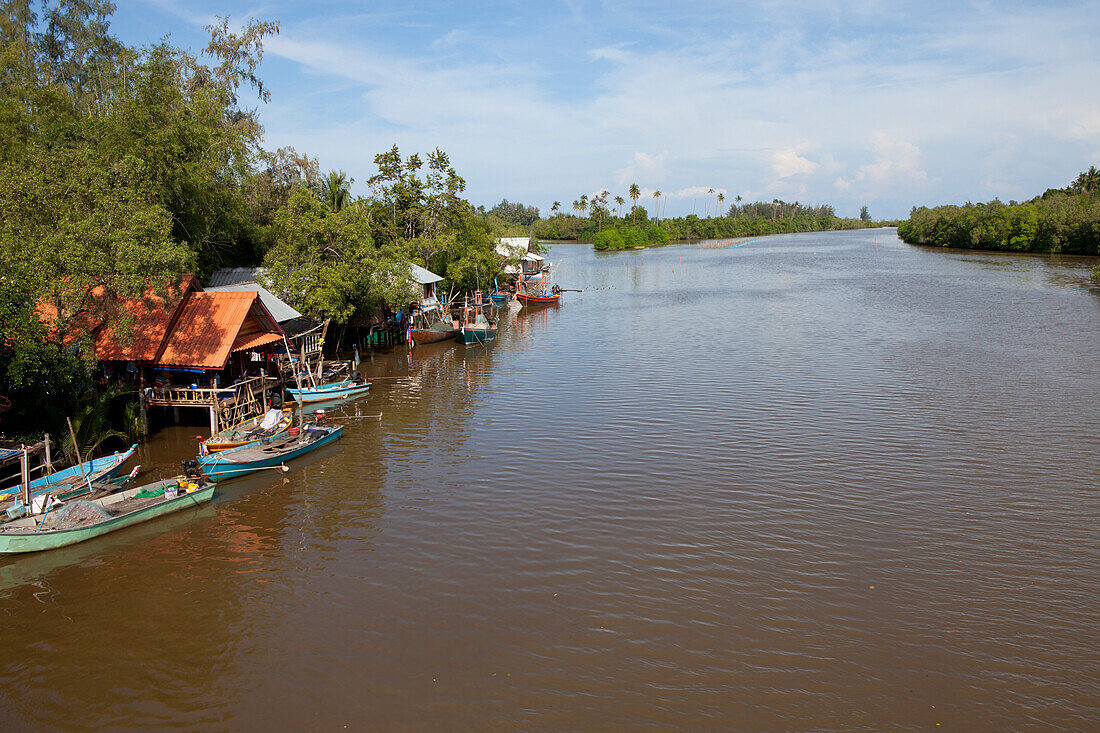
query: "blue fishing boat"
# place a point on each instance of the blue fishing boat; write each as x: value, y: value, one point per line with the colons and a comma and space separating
x: 269, y: 453
x: 330, y: 391
x: 97, y: 470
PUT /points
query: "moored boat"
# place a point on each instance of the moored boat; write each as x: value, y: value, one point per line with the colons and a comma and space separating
x: 274, y: 423
x: 268, y: 453
x: 476, y: 327
x: 66, y: 523
x: 430, y: 324
x: 536, y: 289
x: 91, y: 472
x: 331, y: 391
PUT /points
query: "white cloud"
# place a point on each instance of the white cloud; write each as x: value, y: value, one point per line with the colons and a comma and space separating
x: 787, y: 163
x: 769, y: 109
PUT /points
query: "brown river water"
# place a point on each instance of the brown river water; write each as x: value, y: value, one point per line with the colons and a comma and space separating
x: 814, y: 482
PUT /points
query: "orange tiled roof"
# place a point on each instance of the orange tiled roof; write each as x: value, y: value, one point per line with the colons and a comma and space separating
x: 211, y: 325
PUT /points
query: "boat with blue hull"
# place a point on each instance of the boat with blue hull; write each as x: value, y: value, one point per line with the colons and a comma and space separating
x: 229, y: 464
x: 330, y: 391
x: 97, y: 470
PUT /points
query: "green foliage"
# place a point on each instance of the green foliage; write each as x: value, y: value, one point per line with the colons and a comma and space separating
x: 516, y: 213
x: 335, y: 190
x: 92, y: 425
x: 1066, y: 220
x: 326, y: 264
x: 609, y: 239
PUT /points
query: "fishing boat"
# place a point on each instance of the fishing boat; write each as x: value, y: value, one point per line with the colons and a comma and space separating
x: 497, y: 296
x: 269, y: 452
x: 430, y: 324
x: 90, y: 472
x: 331, y: 390
x: 69, y: 522
x: 476, y: 327
x: 251, y: 431
x: 536, y: 289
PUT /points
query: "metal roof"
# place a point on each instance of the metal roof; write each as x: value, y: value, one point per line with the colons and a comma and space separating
x: 212, y: 325
x: 236, y: 276
x: 280, y: 310
x: 422, y: 276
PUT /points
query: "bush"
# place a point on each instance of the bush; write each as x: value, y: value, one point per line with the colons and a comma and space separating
x: 608, y: 239
x: 633, y: 237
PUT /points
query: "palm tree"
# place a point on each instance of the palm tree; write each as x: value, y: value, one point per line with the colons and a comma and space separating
x: 634, y: 193
x: 657, y: 205
x: 554, y: 207
x: 336, y: 190
x: 710, y: 192
x: 576, y: 205
x: 620, y: 201
x: 584, y: 204
x: 718, y: 209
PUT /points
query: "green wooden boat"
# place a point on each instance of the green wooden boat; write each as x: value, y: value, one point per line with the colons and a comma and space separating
x: 78, y: 520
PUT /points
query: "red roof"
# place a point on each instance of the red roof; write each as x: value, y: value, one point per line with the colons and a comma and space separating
x: 212, y: 325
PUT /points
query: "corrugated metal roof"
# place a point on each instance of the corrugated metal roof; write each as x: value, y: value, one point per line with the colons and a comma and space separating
x: 208, y: 326
x: 280, y: 310
x: 422, y: 276
x: 236, y: 276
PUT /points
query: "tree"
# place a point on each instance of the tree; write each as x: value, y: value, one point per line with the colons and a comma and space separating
x: 555, y: 207
x: 325, y: 264
x: 620, y: 201
x: 1087, y: 182
x: 710, y: 192
x: 657, y: 205
x: 335, y: 190
x: 516, y: 213
x: 635, y: 193
x: 863, y: 214
x: 584, y: 204
x: 721, y: 198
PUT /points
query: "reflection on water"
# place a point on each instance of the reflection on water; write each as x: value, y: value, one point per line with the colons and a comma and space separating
x: 818, y: 481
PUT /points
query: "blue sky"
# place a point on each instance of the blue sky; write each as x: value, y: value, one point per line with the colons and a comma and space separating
x: 850, y: 103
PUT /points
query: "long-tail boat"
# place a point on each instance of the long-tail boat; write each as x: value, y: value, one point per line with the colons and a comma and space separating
x: 91, y: 472
x: 331, y: 391
x: 269, y: 452
x: 69, y: 522
x: 251, y: 431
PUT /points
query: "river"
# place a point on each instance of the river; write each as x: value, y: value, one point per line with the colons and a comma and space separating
x: 814, y: 482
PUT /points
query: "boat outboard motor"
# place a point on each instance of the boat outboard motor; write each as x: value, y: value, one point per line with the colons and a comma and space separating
x: 276, y: 400
x: 191, y: 468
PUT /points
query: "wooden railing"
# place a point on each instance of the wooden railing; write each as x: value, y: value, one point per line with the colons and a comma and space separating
x: 228, y: 406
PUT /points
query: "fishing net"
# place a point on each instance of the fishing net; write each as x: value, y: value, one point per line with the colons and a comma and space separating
x: 74, y: 514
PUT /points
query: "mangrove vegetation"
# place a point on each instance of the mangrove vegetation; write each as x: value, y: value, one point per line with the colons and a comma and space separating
x: 1060, y: 220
